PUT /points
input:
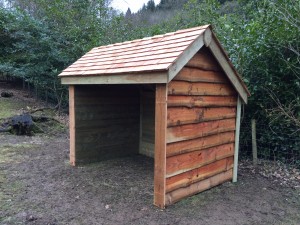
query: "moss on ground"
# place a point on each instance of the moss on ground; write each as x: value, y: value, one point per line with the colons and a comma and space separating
x: 11, y: 152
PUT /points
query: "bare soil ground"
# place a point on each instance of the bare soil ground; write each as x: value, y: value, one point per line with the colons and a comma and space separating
x: 38, y: 186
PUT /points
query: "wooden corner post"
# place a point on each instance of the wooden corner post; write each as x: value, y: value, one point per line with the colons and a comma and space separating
x: 160, y: 145
x: 72, y: 123
x: 237, y: 139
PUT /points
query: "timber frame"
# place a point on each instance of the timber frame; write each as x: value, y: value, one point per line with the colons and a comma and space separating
x: 185, y: 113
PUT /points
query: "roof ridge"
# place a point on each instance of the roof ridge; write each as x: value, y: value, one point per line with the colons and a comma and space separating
x: 156, y: 36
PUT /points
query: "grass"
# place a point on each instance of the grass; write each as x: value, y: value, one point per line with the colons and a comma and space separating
x: 9, y: 153
x: 9, y: 108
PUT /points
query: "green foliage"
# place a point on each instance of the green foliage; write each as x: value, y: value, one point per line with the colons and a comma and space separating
x: 262, y: 39
x: 39, y: 38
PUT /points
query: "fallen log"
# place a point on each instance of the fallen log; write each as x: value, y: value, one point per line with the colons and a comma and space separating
x: 20, y: 125
x: 6, y: 94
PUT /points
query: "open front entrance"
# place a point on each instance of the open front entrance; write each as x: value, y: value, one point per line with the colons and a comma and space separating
x: 112, y: 121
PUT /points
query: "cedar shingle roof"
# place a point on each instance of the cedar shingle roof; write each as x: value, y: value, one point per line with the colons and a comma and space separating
x: 155, y: 53
x: 156, y: 59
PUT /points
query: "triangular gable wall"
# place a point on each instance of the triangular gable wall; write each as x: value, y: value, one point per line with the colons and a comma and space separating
x: 209, y: 40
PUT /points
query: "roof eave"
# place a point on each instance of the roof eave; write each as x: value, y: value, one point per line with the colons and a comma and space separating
x: 160, y: 77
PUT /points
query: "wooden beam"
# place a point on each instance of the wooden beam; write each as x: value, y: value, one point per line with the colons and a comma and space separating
x: 204, y: 60
x: 231, y: 74
x: 201, y: 101
x: 237, y: 139
x: 199, y: 89
x: 160, y: 145
x: 185, y: 179
x: 72, y: 124
x: 199, y: 75
x: 188, y: 161
x: 183, y: 115
x: 140, y: 78
x: 183, y: 59
x: 197, y: 187
x: 181, y: 147
x: 197, y: 130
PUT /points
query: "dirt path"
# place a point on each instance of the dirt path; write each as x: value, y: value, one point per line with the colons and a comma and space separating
x: 38, y: 186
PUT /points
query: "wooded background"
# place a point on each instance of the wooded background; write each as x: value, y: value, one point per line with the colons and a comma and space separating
x: 39, y: 38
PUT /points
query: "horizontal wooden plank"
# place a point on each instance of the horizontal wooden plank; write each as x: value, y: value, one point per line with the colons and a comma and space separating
x: 198, y: 75
x: 70, y: 78
x: 181, y: 147
x: 102, y: 139
x: 109, y: 129
x: 103, y: 91
x: 188, y: 161
x: 107, y: 91
x: 204, y: 60
x: 114, y: 109
x: 193, y: 176
x: 197, y: 187
x: 188, y: 88
x: 90, y: 152
x: 103, y: 115
x: 192, y: 131
x: 99, y: 123
x: 183, y: 115
x: 94, y: 101
x: 201, y: 101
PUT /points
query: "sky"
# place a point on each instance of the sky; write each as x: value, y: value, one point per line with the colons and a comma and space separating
x: 134, y: 5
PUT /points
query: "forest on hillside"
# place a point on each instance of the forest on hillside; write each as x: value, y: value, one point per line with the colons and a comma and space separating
x: 39, y: 38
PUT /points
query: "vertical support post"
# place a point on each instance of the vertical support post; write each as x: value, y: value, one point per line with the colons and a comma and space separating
x: 36, y: 92
x: 46, y: 97
x: 160, y: 145
x: 72, y: 124
x: 237, y: 139
x: 23, y: 82
x: 254, y: 143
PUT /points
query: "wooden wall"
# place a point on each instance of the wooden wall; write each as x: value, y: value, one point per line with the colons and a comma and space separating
x: 200, y: 128
x: 147, y: 96
x: 106, y: 122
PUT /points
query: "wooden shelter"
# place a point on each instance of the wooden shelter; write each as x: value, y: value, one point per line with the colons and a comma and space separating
x: 175, y: 97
